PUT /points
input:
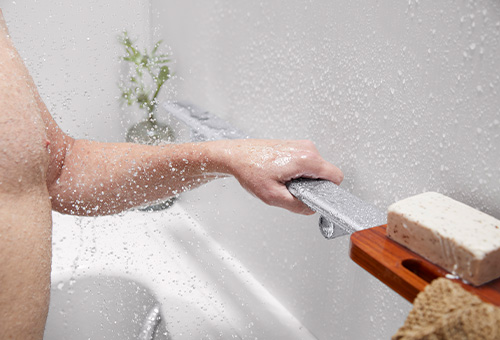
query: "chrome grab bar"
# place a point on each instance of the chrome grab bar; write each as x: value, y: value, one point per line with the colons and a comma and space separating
x: 341, y: 212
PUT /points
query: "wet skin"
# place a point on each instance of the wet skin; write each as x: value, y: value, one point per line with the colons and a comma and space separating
x: 25, y: 209
x: 43, y: 169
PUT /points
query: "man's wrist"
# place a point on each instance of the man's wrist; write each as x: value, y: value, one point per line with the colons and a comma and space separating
x: 218, y: 156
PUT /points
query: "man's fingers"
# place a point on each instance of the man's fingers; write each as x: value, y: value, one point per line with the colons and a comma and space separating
x: 279, y: 196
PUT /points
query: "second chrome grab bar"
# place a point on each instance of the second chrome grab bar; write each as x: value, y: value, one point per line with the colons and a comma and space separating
x: 341, y: 212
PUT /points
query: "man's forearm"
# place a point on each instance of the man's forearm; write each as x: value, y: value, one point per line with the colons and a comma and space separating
x: 106, y: 178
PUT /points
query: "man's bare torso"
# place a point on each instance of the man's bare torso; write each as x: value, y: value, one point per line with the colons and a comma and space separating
x: 25, y: 208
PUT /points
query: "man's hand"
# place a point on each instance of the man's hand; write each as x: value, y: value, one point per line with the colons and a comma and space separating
x: 264, y: 166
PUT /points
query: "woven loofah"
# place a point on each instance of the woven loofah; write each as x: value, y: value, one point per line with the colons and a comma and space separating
x: 444, y: 310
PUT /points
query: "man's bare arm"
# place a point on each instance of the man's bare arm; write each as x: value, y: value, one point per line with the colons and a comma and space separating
x: 102, y: 178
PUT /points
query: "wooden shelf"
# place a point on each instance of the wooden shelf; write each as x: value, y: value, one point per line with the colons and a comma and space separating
x: 404, y: 271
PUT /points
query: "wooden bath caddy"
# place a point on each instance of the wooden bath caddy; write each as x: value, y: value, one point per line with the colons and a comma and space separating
x: 401, y: 269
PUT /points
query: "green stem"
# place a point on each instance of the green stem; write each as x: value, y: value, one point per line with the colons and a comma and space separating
x: 156, y: 93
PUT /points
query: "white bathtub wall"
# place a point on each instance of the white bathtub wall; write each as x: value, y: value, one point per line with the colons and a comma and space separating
x: 403, y: 96
x: 71, y: 50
